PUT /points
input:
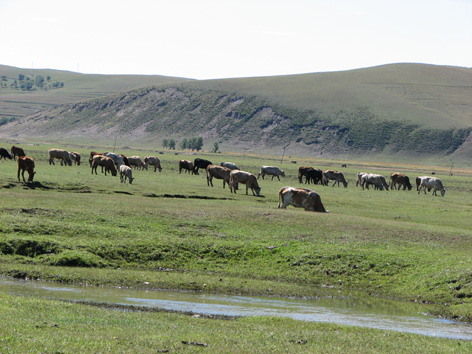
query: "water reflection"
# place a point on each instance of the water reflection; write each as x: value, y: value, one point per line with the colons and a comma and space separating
x: 328, y: 305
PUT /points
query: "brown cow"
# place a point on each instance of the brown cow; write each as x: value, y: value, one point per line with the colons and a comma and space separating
x: 136, y: 162
x: 399, y: 179
x: 186, y: 165
x: 92, y: 154
x: 218, y: 172
x: 26, y: 163
x: 75, y: 156
x: 60, y: 154
x: 17, y: 151
x: 246, y: 178
x: 107, y: 162
x: 302, y: 172
x: 301, y: 198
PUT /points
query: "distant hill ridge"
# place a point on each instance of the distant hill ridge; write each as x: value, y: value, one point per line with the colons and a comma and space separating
x: 404, y: 109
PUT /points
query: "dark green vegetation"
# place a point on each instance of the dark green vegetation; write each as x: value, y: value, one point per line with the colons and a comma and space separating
x: 400, y: 111
x: 172, y: 231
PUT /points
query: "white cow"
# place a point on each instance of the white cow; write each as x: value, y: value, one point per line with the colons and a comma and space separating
x: 271, y: 171
x: 126, y: 172
x: 117, y: 159
x: 230, y: 165
x: 154, y: 161
x: 432, y: 182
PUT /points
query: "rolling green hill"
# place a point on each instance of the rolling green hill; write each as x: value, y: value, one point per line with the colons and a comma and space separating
x: 398, y: 110
x: 15, y: 103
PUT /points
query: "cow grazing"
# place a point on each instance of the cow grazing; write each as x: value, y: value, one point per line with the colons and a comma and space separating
x: 302, y: 172
x: 378, y: 181
x: 126, y: 172
x: 60, y: 154
x: 200, y: 163
x: 92, y: 154
x: 418, y: 183
x: 230, y: 165
x: 75, y: 156
x: 26, y: 163
x: 431, y: 183
x: 359, y: 178
x: 136, y: 162
x: 104, y: 161
x: 273, y: 171
x: 335, y: 176
x: 399, y: 179
x: 4, y: 154
x: 153, y: 161
x: 218, y: 172
x: 301, y: 198
x: 313, y: 175
x: 246, y: 178
x: 17, y: 151
x: 186, y: 165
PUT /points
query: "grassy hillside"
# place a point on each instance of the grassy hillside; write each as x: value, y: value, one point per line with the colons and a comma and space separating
x: 76, y: 87
x: 393, y: 111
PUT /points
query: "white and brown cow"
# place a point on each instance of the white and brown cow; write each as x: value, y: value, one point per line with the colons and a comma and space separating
x: 246, y: 178
x: 273, y: 171
x: 26, y: 163
x: 218, y: 172
x: 301, y: 198
x: 126, y: 172
x: 153, y: 161
x: 59, y: 154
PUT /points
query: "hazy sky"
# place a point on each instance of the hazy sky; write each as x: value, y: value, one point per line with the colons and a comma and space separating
x: 206, y: 39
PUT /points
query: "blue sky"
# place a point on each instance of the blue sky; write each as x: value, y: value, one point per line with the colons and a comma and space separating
x: 208, y: 39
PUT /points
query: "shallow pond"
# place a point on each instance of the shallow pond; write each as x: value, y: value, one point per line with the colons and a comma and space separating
x: 328, y: 305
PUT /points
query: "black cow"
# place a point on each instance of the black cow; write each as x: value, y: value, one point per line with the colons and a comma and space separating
x: 200, y: 163
x: 314, y: 175
x: 5, y: 154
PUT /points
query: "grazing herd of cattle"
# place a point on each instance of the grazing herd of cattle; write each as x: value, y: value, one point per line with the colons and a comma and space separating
x: 308, y: 199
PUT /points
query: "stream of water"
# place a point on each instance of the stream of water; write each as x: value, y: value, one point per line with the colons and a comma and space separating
x: 328, y: 305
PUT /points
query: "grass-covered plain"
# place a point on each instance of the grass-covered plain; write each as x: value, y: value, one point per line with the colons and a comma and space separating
x: 170, y: 230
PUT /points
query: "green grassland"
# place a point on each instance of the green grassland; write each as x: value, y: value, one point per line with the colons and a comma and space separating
x: 171, y: 231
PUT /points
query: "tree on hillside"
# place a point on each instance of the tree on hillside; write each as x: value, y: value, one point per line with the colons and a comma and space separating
x: 172, y: 144
x: 165, y: 143
x: 216, y: 147
x: 183, y: 144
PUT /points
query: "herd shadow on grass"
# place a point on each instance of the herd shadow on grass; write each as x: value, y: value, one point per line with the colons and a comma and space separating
x: 86, y: 189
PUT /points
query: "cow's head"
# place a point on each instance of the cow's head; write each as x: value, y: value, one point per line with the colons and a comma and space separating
x: 31, y: 174
x: 443, y: 191
x: 282, y: 173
